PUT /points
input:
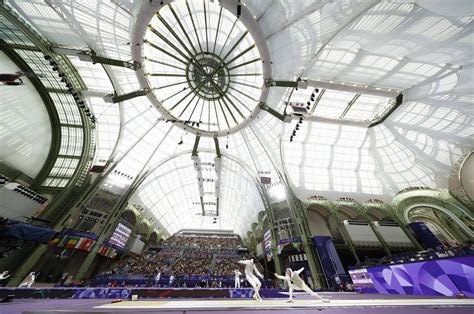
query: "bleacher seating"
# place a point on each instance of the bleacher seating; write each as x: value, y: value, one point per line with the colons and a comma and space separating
x: 193, y: 260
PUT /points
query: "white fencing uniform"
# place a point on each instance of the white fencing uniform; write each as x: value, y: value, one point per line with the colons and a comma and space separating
x: 4, y: 275
x: 296, y: 283
x: 29, y: 280
x: 157, y: 279
x: 237, y: 278
x: 250, y: 268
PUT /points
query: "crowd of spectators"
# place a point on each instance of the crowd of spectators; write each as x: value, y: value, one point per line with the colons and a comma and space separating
x: 193, y: 264
x: 149, y: 263
x: 206, y: 243
x: 429, y: 254
x: 188, y: 255
x: 225, y: 265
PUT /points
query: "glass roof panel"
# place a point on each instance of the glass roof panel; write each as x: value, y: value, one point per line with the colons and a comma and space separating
x: 25, y: 130
x: 335, y: 104
x: 11, y: 35
x: 390, y: 45
x: 178, y: 181
x: 202, y: 65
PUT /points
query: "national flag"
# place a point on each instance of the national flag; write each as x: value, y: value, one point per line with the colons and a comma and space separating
x: 63, y: 241
x: 54, y: 242
x: 87, y: 245
x: 72, y: 242
x: 102, y: 250
x: 80, y: 243
x: 110, y: 252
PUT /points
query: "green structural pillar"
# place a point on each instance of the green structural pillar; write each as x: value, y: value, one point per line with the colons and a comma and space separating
x: 376, y: 232
x: 52, y: 213
x: 148, y: 242
x: 276, y: 257
x: 385, y: 246
x: 407, y: 231
x: 301, y: 220
x: 26, y: 266
x: 273, y: 230
x: 104, y: 235
x: 345, y: 236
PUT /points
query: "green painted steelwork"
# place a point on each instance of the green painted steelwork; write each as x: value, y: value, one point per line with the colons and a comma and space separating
x: 196, y: 145
x: 50, y: 108
x: 301, y: 220
x: 128, y: 96
x: 94, y: 58
x: 398, y: 102
x: 272, y: 111
x: 218, y: 150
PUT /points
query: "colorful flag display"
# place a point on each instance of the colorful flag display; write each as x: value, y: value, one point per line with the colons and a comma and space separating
x: 72, y: 242
x: 108, y: 251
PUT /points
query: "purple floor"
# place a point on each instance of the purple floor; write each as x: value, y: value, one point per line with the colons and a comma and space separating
x: 87, y: 306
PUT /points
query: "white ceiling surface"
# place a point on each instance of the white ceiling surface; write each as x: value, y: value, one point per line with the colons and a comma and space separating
x: 410, y: 47
x: 25, y: 131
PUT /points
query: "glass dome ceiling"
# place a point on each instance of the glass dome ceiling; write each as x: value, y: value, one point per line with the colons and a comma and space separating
x: 202, y: 65
x: 421, y: 49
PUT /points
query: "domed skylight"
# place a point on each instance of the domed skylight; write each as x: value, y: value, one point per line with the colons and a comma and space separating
x: 203, y: 66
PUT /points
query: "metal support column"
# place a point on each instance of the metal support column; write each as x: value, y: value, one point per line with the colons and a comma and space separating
x: 345, y: 236
x: 271, y: 219
x: 301, y: 220
x: 112, y: 221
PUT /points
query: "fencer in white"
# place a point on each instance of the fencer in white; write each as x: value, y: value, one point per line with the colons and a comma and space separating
x: 250, y: 268
x: 237, y: 278
x: 4, y: 275
x: 294, y: 282
x: 29, y: 280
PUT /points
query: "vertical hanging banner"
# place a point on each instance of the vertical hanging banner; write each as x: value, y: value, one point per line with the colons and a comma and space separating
x: 424, y: 235
x: 330, y: 260
x: 267, y: 241
x: 267, y: 245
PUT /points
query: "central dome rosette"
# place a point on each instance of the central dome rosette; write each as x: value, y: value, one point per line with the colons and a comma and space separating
x: 203, y: 65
